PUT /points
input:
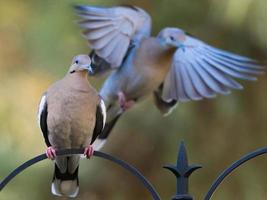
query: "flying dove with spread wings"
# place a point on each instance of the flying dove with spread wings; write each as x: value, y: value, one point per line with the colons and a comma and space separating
x: 173, y: 66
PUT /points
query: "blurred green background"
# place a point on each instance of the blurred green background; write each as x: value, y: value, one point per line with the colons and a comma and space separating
x: 37, y: 42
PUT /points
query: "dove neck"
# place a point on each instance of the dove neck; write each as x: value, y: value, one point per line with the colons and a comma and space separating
x: 83, y: 74
x: 80, y: 74
x: 79, y: 80
x: 168, y: 48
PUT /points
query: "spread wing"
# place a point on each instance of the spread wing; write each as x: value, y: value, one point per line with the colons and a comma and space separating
x: 201, y: 71
x: 111, y: 30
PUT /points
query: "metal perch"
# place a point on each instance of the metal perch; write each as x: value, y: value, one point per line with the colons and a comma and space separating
x: 182, y: 171
x: 111, y: 158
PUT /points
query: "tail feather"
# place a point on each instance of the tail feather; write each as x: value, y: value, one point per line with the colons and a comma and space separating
x: 65, y: 184
x: 165, y: 107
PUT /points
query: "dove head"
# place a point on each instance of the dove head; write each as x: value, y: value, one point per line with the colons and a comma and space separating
x: 171, y: 37
x: 80, y: 63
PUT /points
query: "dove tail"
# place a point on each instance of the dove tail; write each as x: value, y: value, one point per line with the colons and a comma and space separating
x: 165, y: 107
x: 65, y: 184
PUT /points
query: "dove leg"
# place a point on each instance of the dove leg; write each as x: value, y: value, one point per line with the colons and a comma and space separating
x: 50, y: 153
x: 88, y: 151
x: 124, y: 103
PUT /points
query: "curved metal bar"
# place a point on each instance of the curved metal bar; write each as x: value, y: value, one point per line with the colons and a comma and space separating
x: 111, y: 158
x: 231, y: 168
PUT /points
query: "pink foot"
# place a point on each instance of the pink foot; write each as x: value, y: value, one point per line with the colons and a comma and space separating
x: 88, y: 151
x: 50, y: 153
x: 125, y: 104
x: 128, y: 104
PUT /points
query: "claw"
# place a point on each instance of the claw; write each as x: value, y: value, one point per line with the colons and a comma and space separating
x: 88, y: 151
x: 50, y: 153
x: 124, y: 103
x: 128, y: 104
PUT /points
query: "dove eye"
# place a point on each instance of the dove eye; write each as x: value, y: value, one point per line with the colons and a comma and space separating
x: 172, y: 38
x: 76, y: 61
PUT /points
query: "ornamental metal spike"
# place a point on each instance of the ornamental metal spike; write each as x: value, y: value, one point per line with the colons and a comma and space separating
x: 182, y: 171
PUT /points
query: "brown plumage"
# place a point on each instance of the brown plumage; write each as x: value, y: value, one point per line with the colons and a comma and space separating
x: 71, y: 115
x: 72, y: 107
x: 151, y: 67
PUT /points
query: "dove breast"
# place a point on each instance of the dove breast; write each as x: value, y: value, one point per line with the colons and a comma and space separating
x: 71, y: 113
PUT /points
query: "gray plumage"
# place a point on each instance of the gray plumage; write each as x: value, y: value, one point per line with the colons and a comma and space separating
x: 173, y: 64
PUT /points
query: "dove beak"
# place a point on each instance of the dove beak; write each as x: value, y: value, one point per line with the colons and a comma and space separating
x: 88, y: 68
x: 178, y: 44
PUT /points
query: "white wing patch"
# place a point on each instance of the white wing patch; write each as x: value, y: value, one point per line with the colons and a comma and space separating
x: 103, y: 110
x: 98, y: 144
x: 41, y: 108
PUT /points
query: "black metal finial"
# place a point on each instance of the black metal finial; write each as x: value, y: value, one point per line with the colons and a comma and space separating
x: 182, y: 171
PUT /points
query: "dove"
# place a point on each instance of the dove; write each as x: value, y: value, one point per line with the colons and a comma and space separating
x: 173, y: 66
x: 71, y: 114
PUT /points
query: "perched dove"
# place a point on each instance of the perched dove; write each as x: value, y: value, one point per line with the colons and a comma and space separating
x: 71, y: 115
x: 173, y: 66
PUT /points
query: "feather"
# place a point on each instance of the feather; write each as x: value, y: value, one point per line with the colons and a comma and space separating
x: 228, y: 71
x: 89, y: 24
x: 98, y: 33
x: 199, y: 83
x: 107, y: 28
x: 103, y: 42
x: 212, y: 83
x: 116, y: 57
x: 106, y: 51
x: 237, y: 64
x: 202, y: 70
x: 92, y: 17
x: 98, y: 11
x: 230, y: 55
x: 220, y: 76
x: 187, y: 84
x: 182, y: 96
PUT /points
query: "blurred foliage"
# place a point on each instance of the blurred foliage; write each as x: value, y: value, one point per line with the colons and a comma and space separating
x: 38, y: 40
